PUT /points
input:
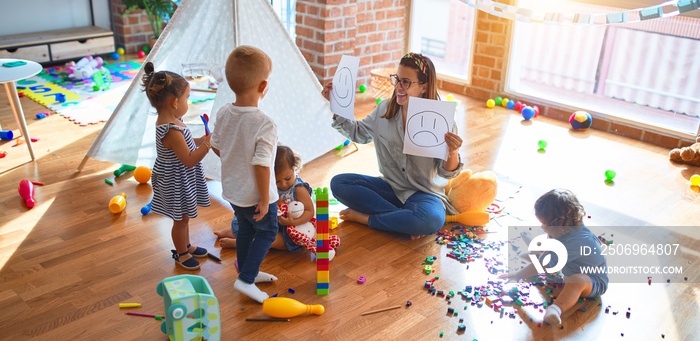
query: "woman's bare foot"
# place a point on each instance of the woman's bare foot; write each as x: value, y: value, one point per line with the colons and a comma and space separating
x: 227, y: 233
x: 228, y: 243
x: 414, y: 237
x: 352, y: 215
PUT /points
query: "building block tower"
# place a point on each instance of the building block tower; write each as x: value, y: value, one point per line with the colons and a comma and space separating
x: 322, y: 242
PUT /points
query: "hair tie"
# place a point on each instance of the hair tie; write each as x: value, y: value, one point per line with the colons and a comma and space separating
x: 417, y: 59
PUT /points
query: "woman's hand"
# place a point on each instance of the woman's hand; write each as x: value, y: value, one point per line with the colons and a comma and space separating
x: 453, y: 142
x: 326, y: 92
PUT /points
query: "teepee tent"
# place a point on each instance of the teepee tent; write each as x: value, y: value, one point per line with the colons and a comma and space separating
x: 199, y: 38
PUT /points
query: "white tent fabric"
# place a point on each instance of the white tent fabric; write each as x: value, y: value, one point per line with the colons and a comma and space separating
x: 205, y: 32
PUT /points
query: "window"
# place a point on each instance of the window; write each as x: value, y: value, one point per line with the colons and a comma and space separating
x: 286, y: 10
x: 645, y: 72
x: 443, y: 30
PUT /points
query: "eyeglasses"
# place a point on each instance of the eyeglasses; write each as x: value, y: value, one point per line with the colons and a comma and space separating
x: 405, y: 83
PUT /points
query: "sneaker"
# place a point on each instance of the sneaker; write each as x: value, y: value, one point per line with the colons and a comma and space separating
x: 190, y: 264
x: 199, y: 252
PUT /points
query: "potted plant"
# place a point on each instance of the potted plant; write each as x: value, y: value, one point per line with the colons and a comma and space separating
x: 158, y: 12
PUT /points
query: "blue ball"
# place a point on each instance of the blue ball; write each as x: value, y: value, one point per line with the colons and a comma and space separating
x: 116, y: 56
x: 511, y: 104
x: 528, y: 113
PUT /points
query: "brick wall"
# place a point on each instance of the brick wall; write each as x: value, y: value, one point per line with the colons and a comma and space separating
x: 374, y: 30
x: 131, y: 31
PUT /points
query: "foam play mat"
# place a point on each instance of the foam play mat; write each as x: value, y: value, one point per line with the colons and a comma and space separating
x: 86, y: 101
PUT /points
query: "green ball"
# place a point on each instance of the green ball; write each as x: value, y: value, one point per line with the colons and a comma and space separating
x: 542, y: 144
x: 610, y: 174
x: 362, y: 88
x: 498, y: 100
x: 379, y: 100
x: 145, y: 48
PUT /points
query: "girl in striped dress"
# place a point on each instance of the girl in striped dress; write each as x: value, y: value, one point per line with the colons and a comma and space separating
x: 178, y: 179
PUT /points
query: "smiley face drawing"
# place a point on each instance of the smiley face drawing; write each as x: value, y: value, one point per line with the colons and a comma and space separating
x: 427, y: 129
x: 343, y: 87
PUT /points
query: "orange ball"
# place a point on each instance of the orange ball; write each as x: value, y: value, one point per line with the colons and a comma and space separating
x: 142, y: 174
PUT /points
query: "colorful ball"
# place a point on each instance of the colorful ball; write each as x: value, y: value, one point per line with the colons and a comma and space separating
x: 490, y: 103
x: 519, y: 106
x: 504, y: 102
x: 379, y: 100
x: 142, y: 174
x: 610, y: 174
x: 498, y: 100
x: 141, y: 54
x: 542, y: 144
x: 580, y: 120
x: 116, y: 56
x: 362, y: 88
x: 450, y: 97
x: 528, y: 113
x: 695, y: 180
x: 121, y: 51
x: 145, y: 48
x: 511, y: 104
x: 537, y: 110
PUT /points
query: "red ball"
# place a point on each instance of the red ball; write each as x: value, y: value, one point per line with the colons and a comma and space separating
x: 518, y: 106
x: 141, y: 54
x: 537, y: 110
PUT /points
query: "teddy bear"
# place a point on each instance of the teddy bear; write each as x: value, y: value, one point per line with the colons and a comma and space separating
x: 471, y: 194
x: 688, y: 155
x: 305, y: 234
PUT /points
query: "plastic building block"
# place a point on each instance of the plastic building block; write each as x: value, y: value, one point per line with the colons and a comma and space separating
x: 361, y: 280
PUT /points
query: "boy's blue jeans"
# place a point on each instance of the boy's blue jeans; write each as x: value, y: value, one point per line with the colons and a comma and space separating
x: 421, y: 214
x: 253, y: 239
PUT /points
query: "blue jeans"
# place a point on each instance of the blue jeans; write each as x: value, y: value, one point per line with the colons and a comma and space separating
x: 421, y: 214
x: 288, y: 242
x: 253, y: 239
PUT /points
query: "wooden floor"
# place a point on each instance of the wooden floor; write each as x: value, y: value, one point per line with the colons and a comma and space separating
x: 68, y: 262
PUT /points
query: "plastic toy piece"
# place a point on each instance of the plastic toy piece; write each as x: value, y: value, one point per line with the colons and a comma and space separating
x: 213, y: 257
x: 157, y: 317
x: 123, y: 169
x: 284, y: 307
x: 109, y: 182
x: 269, y: 320
x: 26, y: 191
x: 147, y: 209
x: 361, y: 280
x: 205, y: 119
x: 117, y: 203
x: 129, y: 305
x: 378, y: 310
x: 192, y: 310
x: 322, y: 242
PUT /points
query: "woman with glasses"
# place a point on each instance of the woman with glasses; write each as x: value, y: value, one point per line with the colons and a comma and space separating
x: 409, y: 197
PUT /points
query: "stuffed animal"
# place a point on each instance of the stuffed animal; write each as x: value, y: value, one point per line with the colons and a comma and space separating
x: 471, y: 194
x: 84, y: 68
x: 688, y: 155
x: 305, y: 234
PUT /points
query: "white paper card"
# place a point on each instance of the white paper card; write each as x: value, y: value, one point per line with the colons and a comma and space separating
x: 343, y: 94
x: 427, y: 123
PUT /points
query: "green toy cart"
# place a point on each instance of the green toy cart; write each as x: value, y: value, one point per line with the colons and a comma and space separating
x: 191, y: 309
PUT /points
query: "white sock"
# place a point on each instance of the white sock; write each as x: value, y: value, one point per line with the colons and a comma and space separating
x: 250, y: 290
x: 263, y: 277
x: 553, y: 315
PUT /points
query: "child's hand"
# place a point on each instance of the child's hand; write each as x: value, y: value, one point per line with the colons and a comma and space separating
x: 453, y: 142
x: 261, y: 211
x: 326, y: 92
x: 286, y: 220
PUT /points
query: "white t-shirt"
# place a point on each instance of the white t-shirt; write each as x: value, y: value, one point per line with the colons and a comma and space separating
x: 245, y: 137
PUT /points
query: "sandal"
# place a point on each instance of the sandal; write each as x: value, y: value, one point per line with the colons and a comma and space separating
x: 190, y: 264
x: 199, y: 252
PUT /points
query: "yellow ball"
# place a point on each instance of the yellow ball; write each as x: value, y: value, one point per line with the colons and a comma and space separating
x: 121, y: 51
x: 142, y: 174
x: 450, y: 97
x: 490, y: 103
x: 695, y: 180
x: 504, y: 102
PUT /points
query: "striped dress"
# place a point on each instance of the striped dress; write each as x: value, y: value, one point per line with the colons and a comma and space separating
x: 177, y: 189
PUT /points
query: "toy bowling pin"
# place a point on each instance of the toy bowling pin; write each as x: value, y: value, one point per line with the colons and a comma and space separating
x: 117, y: 203
x: 469, y: 218
x: 26, y: 191
x: 284, y: 307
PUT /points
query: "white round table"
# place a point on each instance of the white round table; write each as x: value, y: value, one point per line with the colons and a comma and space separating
x: 10, y: 75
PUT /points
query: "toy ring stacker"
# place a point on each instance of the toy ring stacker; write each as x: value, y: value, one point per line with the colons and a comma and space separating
x: 494, y: 208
